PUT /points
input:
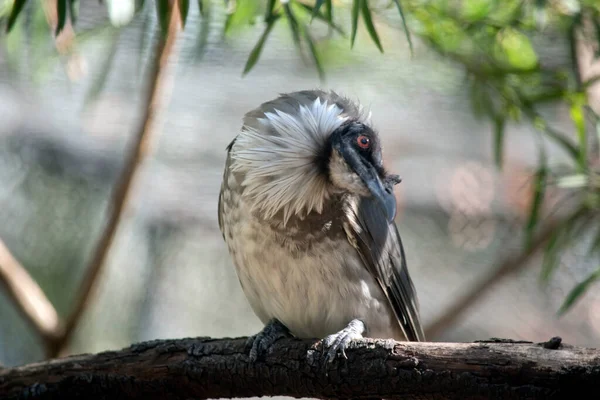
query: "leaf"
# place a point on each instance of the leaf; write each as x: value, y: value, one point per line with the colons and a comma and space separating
x: 516, y: 49
x: 366, y: 13
x: 355, y: 9
x: 551, y: 255
x: 475, y: 10
x: 293, y: 26
x: 255, y: 53
x: 538, y: 198
x: 61, y: 12
x: 578, y: 291
x: 578, y: 118
x: 105, y: 68
x: 315, y: 55
x: 201, y: 7
x: 184, y: 9
x: 16, y: 10
x: 269, y: 10
x: 74, y: 10
x: 572, y: 181
x: 202, y: 38
x: 499, y: 124
x: 163, y: 12
x: 406, y: 31
x: 324, y: 18
x: 317, y: 7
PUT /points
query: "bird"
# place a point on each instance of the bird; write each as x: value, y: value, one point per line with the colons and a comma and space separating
x: 307, y: 211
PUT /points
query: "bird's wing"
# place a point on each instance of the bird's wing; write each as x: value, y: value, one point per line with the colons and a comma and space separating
x: 224, y: 185
x: 378, y: 243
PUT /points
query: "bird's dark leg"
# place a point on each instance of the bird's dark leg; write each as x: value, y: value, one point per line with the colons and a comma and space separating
x: 340, y: 341
x: 260, y: 343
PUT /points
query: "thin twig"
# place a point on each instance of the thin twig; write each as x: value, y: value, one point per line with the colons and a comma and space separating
x: 140, y: 148
x: 28, y: 297
x: 505, y: 269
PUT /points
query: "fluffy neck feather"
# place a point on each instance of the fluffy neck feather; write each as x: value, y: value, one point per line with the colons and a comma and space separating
x: 279, y: 161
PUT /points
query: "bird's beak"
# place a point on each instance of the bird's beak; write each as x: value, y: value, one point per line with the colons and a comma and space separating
x: 384, y: 195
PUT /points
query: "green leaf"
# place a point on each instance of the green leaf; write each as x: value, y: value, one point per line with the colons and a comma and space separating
x: 355, y: 9
x: 74, y: 10
x: 255, y: 53
x: 578, y: 291
x: 105, y: 68
x: 499, y: 124
x: 16, y: 10
x: 406, y: 31
x: 572, y: 181
x: 317, y: 7
x: 516, y: 49
x: 61, y: 11
x: 184, y: 9
x: 475, y: 10
x: 329, y: 12
x: 578, y: 118
x: 201, y: 7
x: 538, y: 198
x: 551, y: 255
x: 202, y: 38
x: 324, y: 18
x: 163, y: 12
x: 315, y: 55
x: 366, y: 13
x: 293, y: 26
x: 269, y: 10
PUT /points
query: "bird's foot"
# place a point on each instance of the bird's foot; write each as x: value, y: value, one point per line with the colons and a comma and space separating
x: 338, y: 342
x: 260, y: 343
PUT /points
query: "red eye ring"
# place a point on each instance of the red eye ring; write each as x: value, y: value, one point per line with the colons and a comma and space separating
x: 363, y: 142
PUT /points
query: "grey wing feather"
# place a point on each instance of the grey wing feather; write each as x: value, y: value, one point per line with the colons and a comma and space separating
x: 224, y: 186
x: 380, y: 246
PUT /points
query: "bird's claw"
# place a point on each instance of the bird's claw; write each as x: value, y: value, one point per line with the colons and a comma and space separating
x: 338, y: 342
x: 263, y: 340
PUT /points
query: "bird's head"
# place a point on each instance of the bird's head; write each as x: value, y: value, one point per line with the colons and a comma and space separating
x: 297, y: 151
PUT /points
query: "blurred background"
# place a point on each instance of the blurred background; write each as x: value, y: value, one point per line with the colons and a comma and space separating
x: 69, y: 106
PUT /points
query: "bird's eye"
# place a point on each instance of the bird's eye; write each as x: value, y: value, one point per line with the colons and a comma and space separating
x: 363, y: 142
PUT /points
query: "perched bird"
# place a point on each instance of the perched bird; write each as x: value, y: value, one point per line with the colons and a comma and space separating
x: 307, y: 211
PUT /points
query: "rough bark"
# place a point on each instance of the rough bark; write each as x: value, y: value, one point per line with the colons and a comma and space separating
x: 211, y: 368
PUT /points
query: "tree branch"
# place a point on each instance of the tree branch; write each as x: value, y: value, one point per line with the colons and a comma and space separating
x: 208, y: 368
x: 28, y: 297
x: 139, y: 150
x: 507, y: 268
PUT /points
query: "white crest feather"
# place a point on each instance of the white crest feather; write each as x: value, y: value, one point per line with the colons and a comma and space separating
x: 279, y: 168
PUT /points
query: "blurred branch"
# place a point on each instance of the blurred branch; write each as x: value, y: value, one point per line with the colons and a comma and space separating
x: 507, y: 268
x: 206, y: 368
x: 139, y: 150
x: 28, y: 297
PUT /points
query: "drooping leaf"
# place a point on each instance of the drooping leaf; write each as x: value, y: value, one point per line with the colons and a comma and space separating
x: 203, y: 31
x: 538, y: 198
x: 163, y: 11
x: 499, y: 125
x: 578, y: 118
x: 578, y: 291
x: 61, y: 12
x: 367, y: 17
x: 201, y: 7
x: 74, y: 10
x: 105, y: 68
x: 317, y: 8
x: 323, y: 18
x: 293, y: 22
x: 404, y: 24
x: 315, y: 55
x: 269, y: 9
x: 551, y: 255
x: 184, y: 9
x: 16, y: 10
x: 255, y: 53
x: 355, y: 8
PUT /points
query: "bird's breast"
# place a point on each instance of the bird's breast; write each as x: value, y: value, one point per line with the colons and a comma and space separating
x: 313, y: 282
